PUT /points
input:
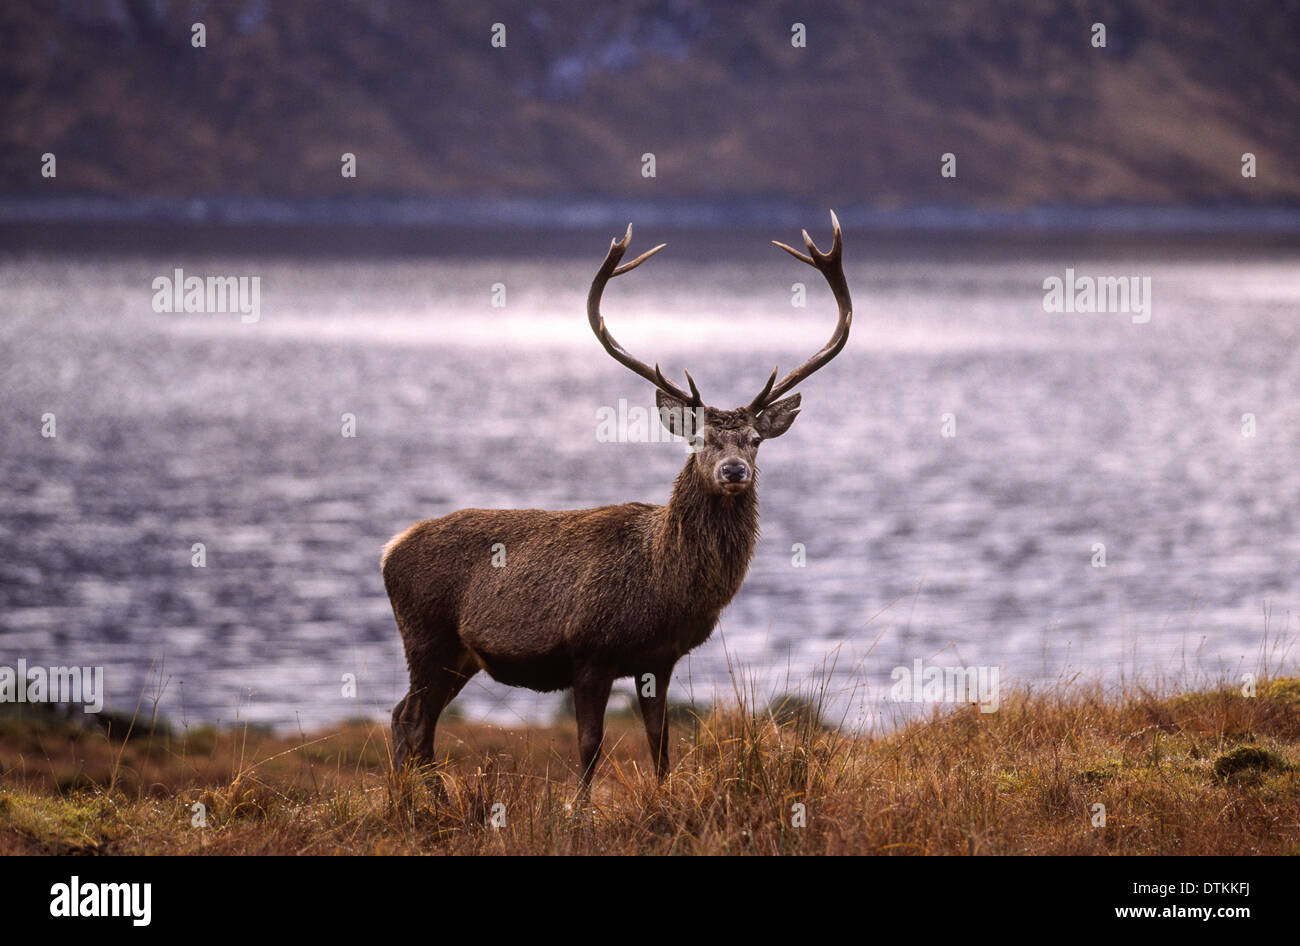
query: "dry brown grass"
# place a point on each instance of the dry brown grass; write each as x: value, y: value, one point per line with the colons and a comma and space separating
x: 1205, y: 772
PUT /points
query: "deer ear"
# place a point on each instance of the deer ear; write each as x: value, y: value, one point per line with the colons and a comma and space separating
x: 777, y: 418
x: 676, y: 416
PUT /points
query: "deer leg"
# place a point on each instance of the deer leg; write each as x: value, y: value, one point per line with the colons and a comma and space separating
x: 590, y: 695
x: 409, y: 730
x: 415, y: 718
x: 652, y: 693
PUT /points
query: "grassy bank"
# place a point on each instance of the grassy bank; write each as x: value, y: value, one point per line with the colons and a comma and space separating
x: 1204, y: 772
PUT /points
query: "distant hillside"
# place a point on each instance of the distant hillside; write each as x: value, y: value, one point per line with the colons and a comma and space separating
x: 1033, y: 112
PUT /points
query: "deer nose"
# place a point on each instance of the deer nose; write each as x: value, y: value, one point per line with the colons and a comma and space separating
x: 734, y: 471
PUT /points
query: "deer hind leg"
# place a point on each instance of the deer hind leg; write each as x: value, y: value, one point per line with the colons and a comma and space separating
x: 411, y: 735
x: 590, y: 695
x: 435, y: 681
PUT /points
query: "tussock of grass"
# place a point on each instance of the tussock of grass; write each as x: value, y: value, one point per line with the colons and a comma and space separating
x: 1247, y: 760
x: 1203, y: 772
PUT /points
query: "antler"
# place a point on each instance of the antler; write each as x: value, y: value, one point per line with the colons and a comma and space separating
x: 831, y: 266
x: 609, y: 269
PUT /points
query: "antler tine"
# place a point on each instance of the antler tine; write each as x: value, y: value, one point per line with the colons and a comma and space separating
x: 628, y: 267
x: 831, y: 266
x: 608, y: 270
x: 793, y: 252
x: 695, y: 392
x: 758, y: 403
x: 814, y: 254
x: 664, y: 384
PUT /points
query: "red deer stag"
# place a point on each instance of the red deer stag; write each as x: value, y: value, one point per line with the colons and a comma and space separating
x: 589, y: 596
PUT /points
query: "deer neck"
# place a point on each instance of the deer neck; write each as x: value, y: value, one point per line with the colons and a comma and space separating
x: 705, y: 540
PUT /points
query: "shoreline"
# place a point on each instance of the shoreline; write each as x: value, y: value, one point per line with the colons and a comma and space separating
x: 371, y: 226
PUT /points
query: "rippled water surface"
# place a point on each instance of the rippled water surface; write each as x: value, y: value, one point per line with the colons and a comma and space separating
x: 1071, y: 430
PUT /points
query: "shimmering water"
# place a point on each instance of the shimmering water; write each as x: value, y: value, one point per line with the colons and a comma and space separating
x: 1071, y: 430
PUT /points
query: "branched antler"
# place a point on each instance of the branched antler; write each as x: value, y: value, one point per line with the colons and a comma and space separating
x: 608, y: 270
x: 831, y: 266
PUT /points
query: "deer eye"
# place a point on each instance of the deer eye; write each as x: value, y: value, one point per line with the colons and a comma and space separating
x: 755, y: 440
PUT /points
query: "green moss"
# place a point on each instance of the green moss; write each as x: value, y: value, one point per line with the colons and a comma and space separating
x: 1099, y: 773
x: 1009, y: 781
x: 78, y: 824
x: 1283, y: 690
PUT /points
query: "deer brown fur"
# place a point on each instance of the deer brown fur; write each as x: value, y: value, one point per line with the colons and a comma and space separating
x: 581, y: 598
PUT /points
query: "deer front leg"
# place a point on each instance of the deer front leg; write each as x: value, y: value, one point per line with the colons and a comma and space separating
x: 652, y: 693
x: 590, y: 695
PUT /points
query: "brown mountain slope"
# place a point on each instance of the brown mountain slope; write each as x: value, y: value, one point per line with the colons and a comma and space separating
x: 1033, y: 112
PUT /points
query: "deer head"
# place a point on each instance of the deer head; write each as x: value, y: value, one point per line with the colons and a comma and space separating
x: 725, y: 442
